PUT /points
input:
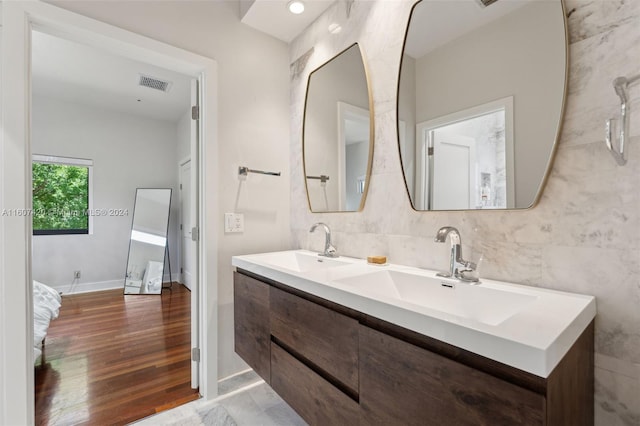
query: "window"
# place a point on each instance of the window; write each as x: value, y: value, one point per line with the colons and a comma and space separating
x: 61, y: 195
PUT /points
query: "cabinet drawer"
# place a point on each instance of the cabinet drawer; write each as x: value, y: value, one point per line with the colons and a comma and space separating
x: 403, y: 384
x: 327, y: 339
x: 251, y: 323
x: 316, y: 400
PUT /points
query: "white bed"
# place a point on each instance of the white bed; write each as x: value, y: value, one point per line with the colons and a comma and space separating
x: 46, y: 306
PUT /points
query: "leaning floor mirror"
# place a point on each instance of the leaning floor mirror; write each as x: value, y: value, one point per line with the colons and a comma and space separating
x: 148, y: 243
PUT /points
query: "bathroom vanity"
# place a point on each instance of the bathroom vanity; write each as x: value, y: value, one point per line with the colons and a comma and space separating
x: 344, y: 342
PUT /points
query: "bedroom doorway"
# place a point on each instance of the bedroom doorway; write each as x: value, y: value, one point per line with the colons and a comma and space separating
x: 18, y: 18
x: 103, y: 127
x: 16, y: 361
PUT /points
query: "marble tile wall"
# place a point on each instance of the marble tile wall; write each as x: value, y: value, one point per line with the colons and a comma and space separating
x: 584, y: 234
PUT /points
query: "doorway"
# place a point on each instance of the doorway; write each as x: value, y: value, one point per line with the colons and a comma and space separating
x: 127, y: 120
x: 353, y: 151
x: 16, y: 360
x: 454, y: 165
x: 465, y: 159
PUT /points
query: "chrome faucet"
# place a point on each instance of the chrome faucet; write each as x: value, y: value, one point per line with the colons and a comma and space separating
x: 457, y: 265
x: 329, y: 250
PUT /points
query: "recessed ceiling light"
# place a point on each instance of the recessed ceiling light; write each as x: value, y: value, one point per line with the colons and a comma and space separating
x: 296, y: 7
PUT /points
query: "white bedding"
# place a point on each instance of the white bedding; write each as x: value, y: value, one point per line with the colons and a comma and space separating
x: 46, y: 306
x: 153, y: 277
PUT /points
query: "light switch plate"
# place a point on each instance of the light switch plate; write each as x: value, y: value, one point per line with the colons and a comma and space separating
x: 233, y: 222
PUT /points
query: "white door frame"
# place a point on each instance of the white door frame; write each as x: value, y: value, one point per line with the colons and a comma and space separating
x: 194, y: 285
x: 16, y: 318
x: 181, y: 163
x: 347, y: 111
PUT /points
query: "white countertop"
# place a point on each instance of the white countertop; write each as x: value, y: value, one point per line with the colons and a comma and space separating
x: 533, y: 339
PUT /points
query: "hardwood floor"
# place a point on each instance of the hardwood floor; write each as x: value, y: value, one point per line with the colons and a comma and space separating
x: 112, y: 359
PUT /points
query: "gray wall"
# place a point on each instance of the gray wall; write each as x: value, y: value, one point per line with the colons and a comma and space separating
x: 583, y: 236
x: 127, y: 152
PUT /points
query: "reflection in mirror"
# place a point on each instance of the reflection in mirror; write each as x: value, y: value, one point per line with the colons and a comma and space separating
x: 480, y: 101
x: 337, y: 135
x: 148, y: 243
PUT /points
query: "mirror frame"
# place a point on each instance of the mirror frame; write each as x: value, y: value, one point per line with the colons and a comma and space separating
x: 554, y: 147
x: 371, y: 132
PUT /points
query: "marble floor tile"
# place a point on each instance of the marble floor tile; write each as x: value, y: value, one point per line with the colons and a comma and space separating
x: 284, y: 415
x: 265, y: 397
x: 215, y: 415
x: 242, y: 407
x: 259, y: 405
x: 245, y: 400
x: 195, y: 413
x: 237, y: 381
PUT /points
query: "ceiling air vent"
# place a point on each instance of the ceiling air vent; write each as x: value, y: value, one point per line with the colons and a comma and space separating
x: 154, y: 83
x: 485, y: 3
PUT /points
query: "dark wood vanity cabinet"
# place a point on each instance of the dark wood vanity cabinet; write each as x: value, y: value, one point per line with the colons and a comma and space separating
x: 403, y: 384
x: 252, y: 334
x: 314, y: 359
x: 337, y: 366
x: 323, y: 338
x: 317, y: 400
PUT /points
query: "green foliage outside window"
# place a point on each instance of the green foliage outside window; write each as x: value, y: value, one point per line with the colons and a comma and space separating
x: 60, y: 199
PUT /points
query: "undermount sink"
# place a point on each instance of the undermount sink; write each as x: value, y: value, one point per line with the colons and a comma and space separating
x: 478, y: 303
x: 300, y: 261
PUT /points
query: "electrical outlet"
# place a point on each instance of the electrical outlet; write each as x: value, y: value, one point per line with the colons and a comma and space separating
x: 76, y: 275
x: 233, y: 222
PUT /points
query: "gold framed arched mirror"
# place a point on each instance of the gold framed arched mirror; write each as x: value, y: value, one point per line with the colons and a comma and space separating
x: 337, y: 141
x: 481, y: 95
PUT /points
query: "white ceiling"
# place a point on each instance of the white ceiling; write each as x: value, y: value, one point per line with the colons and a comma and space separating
x: 78, y: 73
x: 74, y: 72
x: 273, y: 17
x: 439, y: 22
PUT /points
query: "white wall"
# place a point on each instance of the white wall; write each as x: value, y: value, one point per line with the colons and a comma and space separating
x: 184, y: 136
x: 583, y: 236
x: 127, y: 152
x: 3, y: 337
x: 253, y: 120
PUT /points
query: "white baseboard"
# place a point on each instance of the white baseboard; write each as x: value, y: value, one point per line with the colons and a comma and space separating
x: 175, y: 277
x: 89, y: 287
x: 99, y: 285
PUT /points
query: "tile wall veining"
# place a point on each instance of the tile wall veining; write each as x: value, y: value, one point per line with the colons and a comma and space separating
x: 583, y: 236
